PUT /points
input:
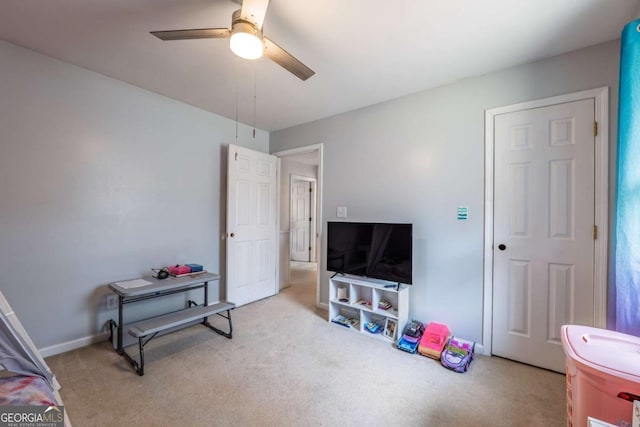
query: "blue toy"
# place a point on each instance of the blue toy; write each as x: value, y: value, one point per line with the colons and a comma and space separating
x: 374, y: 328
x: 411, y: 337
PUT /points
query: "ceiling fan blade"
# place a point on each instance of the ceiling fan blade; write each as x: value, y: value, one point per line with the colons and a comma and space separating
x: 286, y: 60
x: 201, y: 33
x: 254, y: 11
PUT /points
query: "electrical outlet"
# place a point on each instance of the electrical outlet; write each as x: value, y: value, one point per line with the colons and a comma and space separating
x: 112, y: 302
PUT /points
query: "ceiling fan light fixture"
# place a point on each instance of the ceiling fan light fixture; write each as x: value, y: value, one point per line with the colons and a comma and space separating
x: 246, y: 41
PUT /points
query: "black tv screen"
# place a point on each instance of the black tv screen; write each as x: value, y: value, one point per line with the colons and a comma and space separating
x: 376, y: 250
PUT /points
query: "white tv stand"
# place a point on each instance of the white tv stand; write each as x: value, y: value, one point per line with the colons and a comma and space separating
x: 362, y: 298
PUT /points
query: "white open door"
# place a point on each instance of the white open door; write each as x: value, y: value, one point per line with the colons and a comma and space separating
x: 251, y: 225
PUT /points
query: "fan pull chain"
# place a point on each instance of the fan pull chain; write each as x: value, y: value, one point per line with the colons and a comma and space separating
x: 254, y: 100
x: 237, y: 89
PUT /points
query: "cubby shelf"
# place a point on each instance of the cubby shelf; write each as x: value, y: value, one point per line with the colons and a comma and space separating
x: 355, y: 290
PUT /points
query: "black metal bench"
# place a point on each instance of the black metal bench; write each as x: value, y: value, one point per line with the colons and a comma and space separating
x: 146, y: 330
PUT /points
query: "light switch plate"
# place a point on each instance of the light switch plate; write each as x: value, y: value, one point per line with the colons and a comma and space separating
x: 341, y: 212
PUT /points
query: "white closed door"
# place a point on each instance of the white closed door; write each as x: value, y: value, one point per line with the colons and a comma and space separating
x: 251, y: 225
x: 543, y: 230
x: 300, y: 220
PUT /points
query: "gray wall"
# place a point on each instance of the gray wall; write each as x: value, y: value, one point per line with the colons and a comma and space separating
x: 99, y: 181
x: 417, y: 158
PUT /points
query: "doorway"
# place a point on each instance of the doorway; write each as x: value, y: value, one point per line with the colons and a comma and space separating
x: 545, y: 224
x: 301, y: 171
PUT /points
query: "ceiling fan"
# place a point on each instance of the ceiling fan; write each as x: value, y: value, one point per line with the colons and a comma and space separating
x: 246, y: 39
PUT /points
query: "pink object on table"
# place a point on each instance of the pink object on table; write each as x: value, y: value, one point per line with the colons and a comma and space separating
x: 179, y: 269
x: 603, y: 374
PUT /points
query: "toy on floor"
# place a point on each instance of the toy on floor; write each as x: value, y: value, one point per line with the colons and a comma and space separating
x: 458, y: 354
x: 433, y: 340
x: 411, y: 337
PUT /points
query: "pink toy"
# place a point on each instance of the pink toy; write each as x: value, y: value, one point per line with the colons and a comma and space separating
x: 433, y: 340
x: 603, y: 374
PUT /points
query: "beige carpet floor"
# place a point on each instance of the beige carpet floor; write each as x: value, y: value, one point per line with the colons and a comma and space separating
x: 287, y: 366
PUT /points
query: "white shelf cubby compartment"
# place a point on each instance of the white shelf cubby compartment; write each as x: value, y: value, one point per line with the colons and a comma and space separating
x: 361, y: 301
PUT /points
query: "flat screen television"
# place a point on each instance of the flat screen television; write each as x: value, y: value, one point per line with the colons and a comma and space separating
x: 368, y: 249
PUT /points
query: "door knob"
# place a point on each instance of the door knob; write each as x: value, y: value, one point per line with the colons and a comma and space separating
x: 502, y: 246
x: 232, y: 235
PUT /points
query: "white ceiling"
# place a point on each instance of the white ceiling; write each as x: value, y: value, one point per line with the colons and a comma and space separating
x: 363, y: 51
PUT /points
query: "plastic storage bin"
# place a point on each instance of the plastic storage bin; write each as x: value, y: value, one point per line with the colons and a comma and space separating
x: 603, y: 374
x: 194, y: 267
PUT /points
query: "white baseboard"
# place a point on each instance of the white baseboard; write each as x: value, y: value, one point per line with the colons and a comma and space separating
x: 324, y: 306
x: 73, y: 344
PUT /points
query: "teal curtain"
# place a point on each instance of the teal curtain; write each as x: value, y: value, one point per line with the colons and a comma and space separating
x: 627, y: 221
